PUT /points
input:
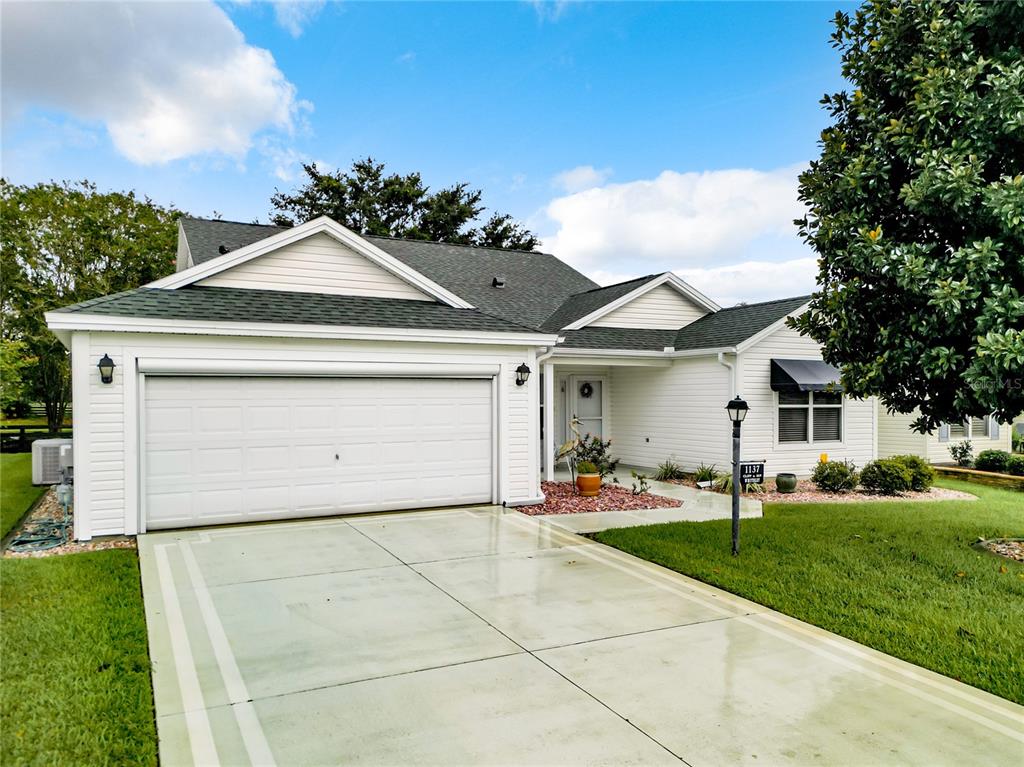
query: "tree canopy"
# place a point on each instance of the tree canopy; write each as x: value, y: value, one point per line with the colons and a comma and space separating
x: 916, y: 209
x: 65, y: 243
x: 368, y: 200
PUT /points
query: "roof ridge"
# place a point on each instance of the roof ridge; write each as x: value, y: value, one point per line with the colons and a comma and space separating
x: 617, y: 284
x: 760, y: 303
x: 457, y: 244
x: 230, y: 221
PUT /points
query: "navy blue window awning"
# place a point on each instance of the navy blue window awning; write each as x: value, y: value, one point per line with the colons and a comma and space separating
x: 796, y: 376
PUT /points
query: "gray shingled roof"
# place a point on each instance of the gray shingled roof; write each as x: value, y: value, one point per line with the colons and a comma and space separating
x: 729, y: 327
x: 536, y: 284
x: 205, y: 236
x: 240, y: 304
x: 636, y: 339
x: 582, y: 304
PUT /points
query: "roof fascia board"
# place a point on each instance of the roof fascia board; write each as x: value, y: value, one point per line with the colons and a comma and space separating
x: 574, y: 352
x: 762, y: 334
x: 324, y: 225
x: 67, y: 321
x: 709, y: 351
x: 668, y: 278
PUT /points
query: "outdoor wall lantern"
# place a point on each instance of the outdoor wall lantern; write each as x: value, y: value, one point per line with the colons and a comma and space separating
x: 737, y: 409
x: 522, y: 374
x: 106, y: 366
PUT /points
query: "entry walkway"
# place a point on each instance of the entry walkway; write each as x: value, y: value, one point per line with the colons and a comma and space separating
x: 481, y: 636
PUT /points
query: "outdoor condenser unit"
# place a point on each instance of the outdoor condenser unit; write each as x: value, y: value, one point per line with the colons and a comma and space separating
x: 49, y: 458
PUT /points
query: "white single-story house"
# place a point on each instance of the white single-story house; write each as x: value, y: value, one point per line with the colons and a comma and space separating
x: 309, y: 371
x: 895, y: 437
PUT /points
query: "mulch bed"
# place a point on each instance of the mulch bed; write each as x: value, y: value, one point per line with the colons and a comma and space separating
x: 48, y: 508
x: 561, y: 499
x: 806, y: 492
x: 1011, y: 549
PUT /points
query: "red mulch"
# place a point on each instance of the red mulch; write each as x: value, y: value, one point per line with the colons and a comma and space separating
x: 560, y: 499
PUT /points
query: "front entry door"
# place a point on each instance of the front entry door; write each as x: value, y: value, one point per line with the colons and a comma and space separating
x: 586, y: 403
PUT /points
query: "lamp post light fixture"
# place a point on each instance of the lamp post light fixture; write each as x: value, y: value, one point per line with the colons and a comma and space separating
x: 737, y: 410
x: 106, y: 366
x: 522, y: 374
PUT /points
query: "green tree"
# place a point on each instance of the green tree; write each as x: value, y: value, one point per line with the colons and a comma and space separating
x: 65, y: 243
x: 14, y: 362
x: 916, y: 209
x: 368, y: 200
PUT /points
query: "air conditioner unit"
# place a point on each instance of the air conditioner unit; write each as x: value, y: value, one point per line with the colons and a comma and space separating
x: 47, y: 458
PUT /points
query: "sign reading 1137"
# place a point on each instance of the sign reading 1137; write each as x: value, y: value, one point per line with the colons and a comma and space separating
x: 751, y: 472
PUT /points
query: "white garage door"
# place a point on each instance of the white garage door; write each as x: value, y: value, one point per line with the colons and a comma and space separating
x: 221, y: 450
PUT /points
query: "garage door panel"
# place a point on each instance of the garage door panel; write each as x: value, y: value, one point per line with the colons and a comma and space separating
x: 230, y: 450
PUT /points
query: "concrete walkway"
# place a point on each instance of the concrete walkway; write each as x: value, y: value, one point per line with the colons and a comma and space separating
x: 481, y: 636
x: 698, y: 506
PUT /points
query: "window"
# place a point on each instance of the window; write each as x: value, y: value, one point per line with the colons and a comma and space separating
x: 811, y: 417
x: 979, y: 427
x: 957, y: 430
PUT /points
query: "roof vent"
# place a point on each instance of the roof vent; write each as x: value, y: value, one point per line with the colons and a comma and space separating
x: 498, y: 282
x: 222, y: 249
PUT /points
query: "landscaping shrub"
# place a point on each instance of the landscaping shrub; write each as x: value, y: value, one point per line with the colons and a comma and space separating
x: 705, y: 473
x: 922, y: 473
x: 586, y: 467
x: 1015, y: 465
x: 962, y: 453
x: 886, y: 477
x: 992, y: 460
x: 668, y: 469
x: 597, y: 451
x: 835, y: 476
x: 1018, y: 441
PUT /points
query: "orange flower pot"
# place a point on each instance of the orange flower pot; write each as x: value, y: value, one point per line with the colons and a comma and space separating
x: 589, y: 485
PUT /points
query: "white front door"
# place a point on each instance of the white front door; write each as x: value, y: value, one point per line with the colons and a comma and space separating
x: 237, y: 449
x: 586, y: 404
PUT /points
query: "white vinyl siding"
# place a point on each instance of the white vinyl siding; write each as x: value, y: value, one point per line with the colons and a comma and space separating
x: 316, y: 264
x: 662, y: 307
x: 761, y: 429
x: 676, y: 412
x: 896, y: 437
x: 107, y: 415
x: 937, y: 451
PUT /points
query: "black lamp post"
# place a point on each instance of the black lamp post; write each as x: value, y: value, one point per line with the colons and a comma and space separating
x: 106, y: 366
x: 737, y: 410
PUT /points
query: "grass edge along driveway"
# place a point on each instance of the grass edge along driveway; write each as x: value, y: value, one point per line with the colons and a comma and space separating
x: 75, y: 687
x: 898, y: 576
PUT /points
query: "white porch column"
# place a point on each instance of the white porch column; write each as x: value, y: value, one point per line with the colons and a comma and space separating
x: 549, y: 422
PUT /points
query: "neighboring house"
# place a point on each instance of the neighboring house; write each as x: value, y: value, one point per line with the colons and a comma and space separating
x: 895, y: 437
x: 310, y: 371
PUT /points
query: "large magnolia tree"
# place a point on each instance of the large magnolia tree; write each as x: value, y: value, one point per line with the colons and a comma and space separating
x: 916, y: 209
x: 64, y: 243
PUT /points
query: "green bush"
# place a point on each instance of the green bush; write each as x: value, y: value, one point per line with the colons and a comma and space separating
x: 962, y: 453
x: 1018, y: 441
x: 886, y: 477
x: 1015, y: 465
x: 705, y: 473
x: 835, y: 476
x: 598, y: 452
x: 668, y: 470
x: 991, y: 460
x: 922, y: 473
x: 586, y: 467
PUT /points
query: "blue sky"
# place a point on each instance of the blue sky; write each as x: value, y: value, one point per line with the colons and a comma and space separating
x: 633, y: 137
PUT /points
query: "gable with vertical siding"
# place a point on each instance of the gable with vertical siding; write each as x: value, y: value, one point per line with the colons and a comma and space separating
x: 661, y: 308
x: 317, y: 264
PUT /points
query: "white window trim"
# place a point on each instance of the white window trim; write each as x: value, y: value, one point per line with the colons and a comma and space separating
x: 810, y: 441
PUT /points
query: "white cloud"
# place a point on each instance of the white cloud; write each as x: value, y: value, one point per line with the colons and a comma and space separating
x: 581, y: 177
x: 753, y: 281
x: 550, y: 10
x: 406, y: 58
x: 730, y: 232
x: 168, y: 80
x: 294, y: 15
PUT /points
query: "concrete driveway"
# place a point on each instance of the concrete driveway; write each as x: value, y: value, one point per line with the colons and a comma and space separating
x: 481, y: 636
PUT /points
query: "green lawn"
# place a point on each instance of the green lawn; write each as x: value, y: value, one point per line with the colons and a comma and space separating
x: 76, y: 686
x: 16, y: 490
x: 900, y: 577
